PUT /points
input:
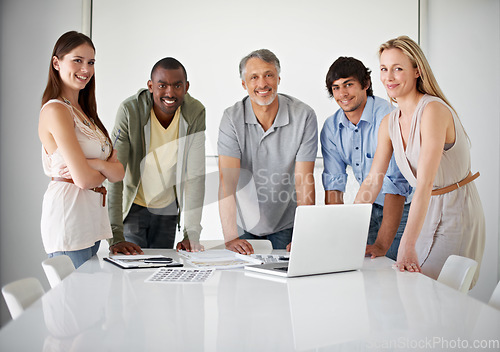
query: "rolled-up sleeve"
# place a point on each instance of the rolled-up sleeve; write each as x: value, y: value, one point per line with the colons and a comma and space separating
x: 334, y: 175
x: 394, y: 181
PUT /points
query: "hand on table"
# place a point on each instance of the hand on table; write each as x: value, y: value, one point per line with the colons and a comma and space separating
x: 125, y: 248
x: 239, y: 246
x: 190, y: 246
x: 408, y: 259
x: 375, y: 250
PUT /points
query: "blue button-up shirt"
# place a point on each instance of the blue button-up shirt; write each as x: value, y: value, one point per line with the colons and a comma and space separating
x: 343, y: 143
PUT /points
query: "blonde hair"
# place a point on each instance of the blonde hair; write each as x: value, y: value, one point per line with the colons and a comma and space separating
x: 426, y: 82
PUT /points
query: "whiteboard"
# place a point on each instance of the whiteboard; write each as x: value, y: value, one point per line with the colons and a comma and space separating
x: 210, y: 37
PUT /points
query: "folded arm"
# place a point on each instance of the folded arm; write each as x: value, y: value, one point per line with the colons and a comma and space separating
x: 57, y: 132
x: 112, y: 169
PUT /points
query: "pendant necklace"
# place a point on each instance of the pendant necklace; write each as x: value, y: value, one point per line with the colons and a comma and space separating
x: 85, y: 119
x: 98, y: 133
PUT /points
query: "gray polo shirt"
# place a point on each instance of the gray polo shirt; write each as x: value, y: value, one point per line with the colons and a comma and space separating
x: 266, y: 196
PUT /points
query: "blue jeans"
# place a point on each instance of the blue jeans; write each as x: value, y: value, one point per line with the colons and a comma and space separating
x: 376, y: 221
x: 148, y: 229
x: 279, y: 239
x: 80, y: 256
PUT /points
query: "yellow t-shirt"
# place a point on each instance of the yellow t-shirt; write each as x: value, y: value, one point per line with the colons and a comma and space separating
x: 158, y: 169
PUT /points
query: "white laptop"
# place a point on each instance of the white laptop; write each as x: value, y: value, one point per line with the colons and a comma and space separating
x: 326, y: 239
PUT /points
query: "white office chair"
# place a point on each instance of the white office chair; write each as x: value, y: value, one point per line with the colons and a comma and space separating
x: 259, y: 246
x: 20, y: 294
x: 458, y: 272
x: 57, y: 268
x: 495, y: 297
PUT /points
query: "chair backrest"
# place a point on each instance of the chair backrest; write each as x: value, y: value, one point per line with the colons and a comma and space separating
x: 57, y: 268
x: 458, y: 272
x: 259, y: 246
x: 20, y: 294
x: 495, y: 297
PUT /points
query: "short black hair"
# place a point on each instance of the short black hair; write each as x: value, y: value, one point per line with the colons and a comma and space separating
x: 345, y: 67
x: 169, y: 63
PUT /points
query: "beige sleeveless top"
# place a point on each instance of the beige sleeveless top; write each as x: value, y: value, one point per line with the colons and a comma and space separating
x: 73, y: 218
x: 456, y: 216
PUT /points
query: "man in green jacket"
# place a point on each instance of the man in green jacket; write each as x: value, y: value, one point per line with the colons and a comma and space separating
x: 160, y: 140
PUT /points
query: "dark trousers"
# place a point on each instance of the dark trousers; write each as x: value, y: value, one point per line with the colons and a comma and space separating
x: 149, y: 228
x: 278, y: 239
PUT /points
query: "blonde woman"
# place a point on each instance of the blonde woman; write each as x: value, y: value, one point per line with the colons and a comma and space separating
x: 446, y: 216
x: 77, y: 154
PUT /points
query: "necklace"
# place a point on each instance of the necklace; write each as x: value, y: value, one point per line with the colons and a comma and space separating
x: 84, y: 118
x: 97, y: 133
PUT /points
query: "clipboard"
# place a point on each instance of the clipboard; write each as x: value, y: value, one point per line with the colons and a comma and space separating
x: 142, y: 261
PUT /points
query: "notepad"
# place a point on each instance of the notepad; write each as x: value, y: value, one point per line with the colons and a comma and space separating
x: 184, y: 275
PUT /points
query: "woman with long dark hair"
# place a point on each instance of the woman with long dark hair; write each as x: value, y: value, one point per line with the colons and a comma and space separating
x: 77, y: 154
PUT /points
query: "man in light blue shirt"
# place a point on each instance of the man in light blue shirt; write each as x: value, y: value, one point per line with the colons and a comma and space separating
x: 349, y: 137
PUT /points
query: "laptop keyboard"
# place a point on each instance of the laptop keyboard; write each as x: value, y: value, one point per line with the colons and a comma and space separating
x: 282, y: 268
x: 271, y: 258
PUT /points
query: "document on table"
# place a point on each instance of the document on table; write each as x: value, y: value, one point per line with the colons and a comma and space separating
x: 142, y: 261
x: 184, y: 275
x: 218, y: 259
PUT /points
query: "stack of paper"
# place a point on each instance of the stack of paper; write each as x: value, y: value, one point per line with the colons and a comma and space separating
x: 218, y: 259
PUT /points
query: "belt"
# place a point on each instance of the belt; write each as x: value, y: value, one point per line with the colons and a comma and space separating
x: 101, y: 190
x: 469, y: 178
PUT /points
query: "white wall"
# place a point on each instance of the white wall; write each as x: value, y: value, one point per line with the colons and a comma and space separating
x: 28, y: 32
x: 211, y: 40
x: 306, y: 37
x: 463, y: 50
x: 462, y: 43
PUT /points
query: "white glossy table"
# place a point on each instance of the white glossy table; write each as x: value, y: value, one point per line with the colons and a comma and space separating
x: 101, y: 307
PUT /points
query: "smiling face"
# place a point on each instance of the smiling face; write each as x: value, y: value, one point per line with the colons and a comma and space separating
x: 76, y: 68
x: 350, y: 95
x: 397, y: 73
x: 168, y: 88
x: 261, y: 80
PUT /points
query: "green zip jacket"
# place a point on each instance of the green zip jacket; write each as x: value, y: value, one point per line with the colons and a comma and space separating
x: 134, y: 123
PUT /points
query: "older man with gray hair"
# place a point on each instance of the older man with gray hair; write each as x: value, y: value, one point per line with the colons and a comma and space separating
x: 267, y: 148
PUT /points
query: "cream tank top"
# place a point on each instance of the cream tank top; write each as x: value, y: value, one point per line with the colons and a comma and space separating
x: 73, y: 218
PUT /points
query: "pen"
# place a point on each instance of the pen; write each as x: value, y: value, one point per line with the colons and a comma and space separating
x: 116, y: 138
x: 148, y: 260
